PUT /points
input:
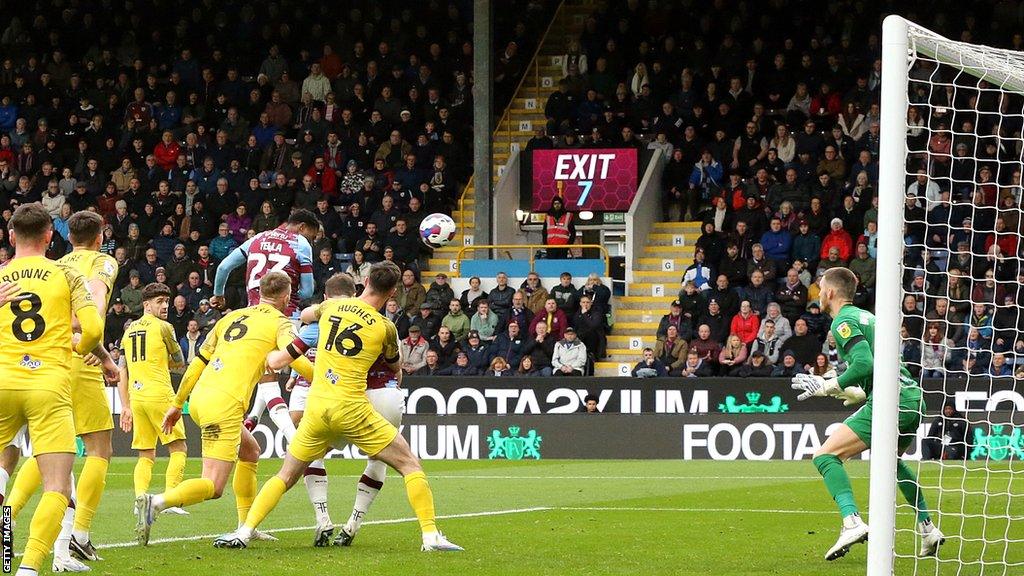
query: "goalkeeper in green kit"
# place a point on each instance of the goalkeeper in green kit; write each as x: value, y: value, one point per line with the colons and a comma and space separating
x: 854, y: 331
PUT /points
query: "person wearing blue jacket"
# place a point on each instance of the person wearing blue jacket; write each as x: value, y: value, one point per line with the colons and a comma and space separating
x: 806, y: 245
x: 8, y: 114
x: 777, y: 242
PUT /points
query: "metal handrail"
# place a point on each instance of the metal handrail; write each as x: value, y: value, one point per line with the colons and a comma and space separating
x: 506, y: 115
x: 533, y: 252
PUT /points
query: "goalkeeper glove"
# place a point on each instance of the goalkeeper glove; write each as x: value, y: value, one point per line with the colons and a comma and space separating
x: 851, y: 395
x: 813, y: 385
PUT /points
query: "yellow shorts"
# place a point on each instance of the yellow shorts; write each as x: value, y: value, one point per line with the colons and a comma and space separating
x: 89, y: 399
x: 51, y: 425
x: 147, y: 424
x: 219, y: 418
x: 328, y: 423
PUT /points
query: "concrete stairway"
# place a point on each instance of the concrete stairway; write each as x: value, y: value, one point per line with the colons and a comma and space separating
x: 656, y: 282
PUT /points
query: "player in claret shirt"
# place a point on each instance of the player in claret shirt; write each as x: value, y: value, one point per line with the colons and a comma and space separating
x: 854, y: 331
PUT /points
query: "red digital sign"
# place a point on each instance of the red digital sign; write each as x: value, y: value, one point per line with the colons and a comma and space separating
x: 598, y: 180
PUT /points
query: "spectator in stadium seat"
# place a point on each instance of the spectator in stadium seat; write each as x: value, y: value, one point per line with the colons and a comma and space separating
x: 592, y: 328
x: 552, y: 317
x: 725, y: 295
x: 431, y: 366
x: 484, y: 322
x: 439, y: 294
x: 470, y: 296
x: 393, y: 312
x: 536, y: 294
x: 757, y: 293
x: 705, y: 346
x: 500, y: 297
x: 413, y: 350
x: 697, y: 367
x: 671, y: 350
x: 569, y: 357
x: 410, y: 293
x: 777, y: 242
x: 206, y: 316
x: 540, y: 348
x: 699, y: 273
x: 565, y: 294
x: 768, y: 342
x: 733, y: 354
x: 600, y: 294
x: 783, y: 328
x: 759, y: 261
x: 804, y: 345
x: 509, y: 345
x: 806, y: 245
x: 716, y: 321
x: 756, y: 366
x: 791, y: 296
x: 649, y: 366
x: 788, y: 367
x: 559, y: 229
x: 832, y: 261
x: 499, y: 368
x: 477, y: 351
x: 526, y: 368
x: 446, y: 346
x: 674, y: 318
x: 711, y: 243
x: 706, y: 180
x: 428, y: 321
x: 456, y: 320
x: 519, y: 312
x: 745, y: 323
x: 733, y: 266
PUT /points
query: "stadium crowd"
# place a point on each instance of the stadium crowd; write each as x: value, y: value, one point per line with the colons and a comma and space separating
x: 772, y: 144
x: 192, y: 131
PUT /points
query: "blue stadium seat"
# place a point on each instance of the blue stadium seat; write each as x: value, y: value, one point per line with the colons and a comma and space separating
x: 490, y: 268
x: 579, y: 268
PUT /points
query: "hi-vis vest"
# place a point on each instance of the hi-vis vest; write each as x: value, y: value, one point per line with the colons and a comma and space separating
x: 558, y: 229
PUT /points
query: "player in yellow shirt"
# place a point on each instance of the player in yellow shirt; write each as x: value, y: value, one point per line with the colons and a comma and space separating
x: 35, y: 367
x: 220, y: 381
x: 89, y: 404
x: 151, y: 353
x: 353, y: 334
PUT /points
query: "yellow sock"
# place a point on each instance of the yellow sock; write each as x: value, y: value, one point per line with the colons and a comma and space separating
x: 25, y: 485
x: 421, y: 499
x: 175, y: 471
x: 244, y: 485
x: 189, y: 492
x: 44, y: 529
x: 91, y: 483
x: 265, y: 501
x: 143, y: 475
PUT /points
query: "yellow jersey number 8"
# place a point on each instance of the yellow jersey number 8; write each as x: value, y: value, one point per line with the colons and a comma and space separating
x: 24, y: 314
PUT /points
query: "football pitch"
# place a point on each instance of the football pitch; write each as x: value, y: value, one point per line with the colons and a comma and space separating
x: 566, y: 517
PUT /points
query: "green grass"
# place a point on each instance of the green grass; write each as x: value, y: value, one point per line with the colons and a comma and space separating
x: 596, y: 517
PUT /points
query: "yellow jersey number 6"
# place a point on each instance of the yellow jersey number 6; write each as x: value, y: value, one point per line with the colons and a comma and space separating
x: 345, y: 339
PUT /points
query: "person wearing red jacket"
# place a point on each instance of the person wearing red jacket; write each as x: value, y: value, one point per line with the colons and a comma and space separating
x: 826, y: 105
x: 1006, y: 240
x: 745, y: 324
x: 323, y: 177
x: 837, y: 238
x: 166, y: 151
x: 553, y: 317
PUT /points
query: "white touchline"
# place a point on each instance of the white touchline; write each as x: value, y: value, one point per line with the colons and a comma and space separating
x: 658, y: 509
x: 815, y: 477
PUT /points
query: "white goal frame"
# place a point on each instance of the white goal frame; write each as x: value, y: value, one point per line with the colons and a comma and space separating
x: 901, y: 42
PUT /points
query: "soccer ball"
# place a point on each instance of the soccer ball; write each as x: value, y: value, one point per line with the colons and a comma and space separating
x: 437, y: 230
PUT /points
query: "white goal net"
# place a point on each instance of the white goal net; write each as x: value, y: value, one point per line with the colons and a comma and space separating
x: 950, y: 165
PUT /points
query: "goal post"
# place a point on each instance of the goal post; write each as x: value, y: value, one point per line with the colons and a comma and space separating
x: 949, y: 272
x: 888, y: 292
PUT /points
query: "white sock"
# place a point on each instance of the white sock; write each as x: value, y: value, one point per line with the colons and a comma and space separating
x: 23, y: 571
x: 4, y: 477
x: 281, y: 417
x: 265, y: 392
x: 62, y: 546
x: 367, y: 488
x: 315, y: 479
